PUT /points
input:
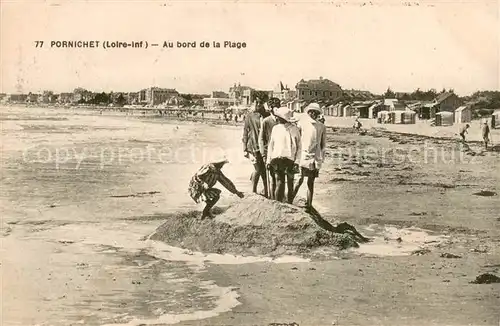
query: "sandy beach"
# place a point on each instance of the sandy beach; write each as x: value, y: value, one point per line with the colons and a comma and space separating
x: 81, y: 192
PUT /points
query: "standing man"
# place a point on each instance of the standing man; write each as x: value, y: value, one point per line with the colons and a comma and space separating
x: 485, y: 131
x: 264, y: 136
x: 250, y: 139
x: 201, y: 186
x: 313, y: 144
x: 283, y: 153
x: 463, y: 131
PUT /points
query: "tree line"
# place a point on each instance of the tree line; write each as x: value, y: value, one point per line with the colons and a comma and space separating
x: 416, y: 95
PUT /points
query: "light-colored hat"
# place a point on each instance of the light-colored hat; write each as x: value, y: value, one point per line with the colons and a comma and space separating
x: 284, y: 113
x: 314, y: 107
x: 216, y: 159
x: 220, y: 160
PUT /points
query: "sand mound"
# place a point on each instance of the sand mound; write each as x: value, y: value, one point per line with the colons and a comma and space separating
x: 254, y: 225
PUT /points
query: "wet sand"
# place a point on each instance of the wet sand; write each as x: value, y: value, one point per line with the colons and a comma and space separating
x: 73, y: 228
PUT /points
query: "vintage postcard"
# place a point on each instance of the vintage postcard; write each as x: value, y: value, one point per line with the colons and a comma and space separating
x: 250, y: 162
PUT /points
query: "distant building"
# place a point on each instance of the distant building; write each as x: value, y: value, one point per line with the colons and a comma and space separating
x: 392, y: 104
x: 17, y: 98
x: 248, y: 96
x: 463, y: 114
x: 218, y: 103
x: 219, y: 100
x: 132, y: 97
x: 283, y: 92
x: 357, y: 95
x: 242, y: 94
x: 156, y: 95
x: 219, y: 94
x: 447, y: 102
x: 236, y: 91
x: 245, y: 95
x: 318, y: 90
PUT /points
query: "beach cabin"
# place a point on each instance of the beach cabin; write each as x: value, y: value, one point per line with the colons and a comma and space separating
x: 396, y: 117
x: 408, y: 117
x: 444, y: 118
x: 328, y: 110
x: 365, y: 108
x: 402, y: 117
x: 382, y: 116
x: 335, y: 110
x: 463, y: 115
x: 495, y: 119
x: 349, y: 111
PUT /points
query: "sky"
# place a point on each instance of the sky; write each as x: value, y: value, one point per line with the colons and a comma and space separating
x: 430, y: 44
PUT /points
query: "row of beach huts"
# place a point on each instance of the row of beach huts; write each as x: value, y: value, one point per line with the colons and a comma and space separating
x: 396, y: 112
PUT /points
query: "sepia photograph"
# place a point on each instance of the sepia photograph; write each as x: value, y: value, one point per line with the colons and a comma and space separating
x: 211, y: 163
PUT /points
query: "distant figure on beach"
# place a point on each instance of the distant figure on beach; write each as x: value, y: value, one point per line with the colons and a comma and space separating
x: 264, y: 136
x: 463, y: 131
x: 235, y: 118
x: 313, y: 145
x: 283, y: 153
x: 201, y: 186
x: 485, y: 131
x: 357, y: 124
x: 251, y: 150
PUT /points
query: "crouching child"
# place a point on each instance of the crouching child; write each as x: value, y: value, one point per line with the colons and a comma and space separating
x: 201, y: 186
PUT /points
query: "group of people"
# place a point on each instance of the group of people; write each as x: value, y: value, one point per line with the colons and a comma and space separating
x: 280, y: 146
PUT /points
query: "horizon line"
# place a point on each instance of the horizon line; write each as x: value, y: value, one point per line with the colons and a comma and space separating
x: 242, y: 85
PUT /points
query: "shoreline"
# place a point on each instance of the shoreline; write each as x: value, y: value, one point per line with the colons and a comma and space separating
x: 332, y: 123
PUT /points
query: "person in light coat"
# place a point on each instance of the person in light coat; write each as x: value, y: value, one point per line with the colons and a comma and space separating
x: 283, y: 153
x: 313, y: 145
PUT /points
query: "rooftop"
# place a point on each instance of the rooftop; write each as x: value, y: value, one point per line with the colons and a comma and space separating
x: 316, y: 82
x: 441, y: 97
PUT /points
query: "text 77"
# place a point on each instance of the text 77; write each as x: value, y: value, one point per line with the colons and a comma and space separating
x: 38, y: 44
